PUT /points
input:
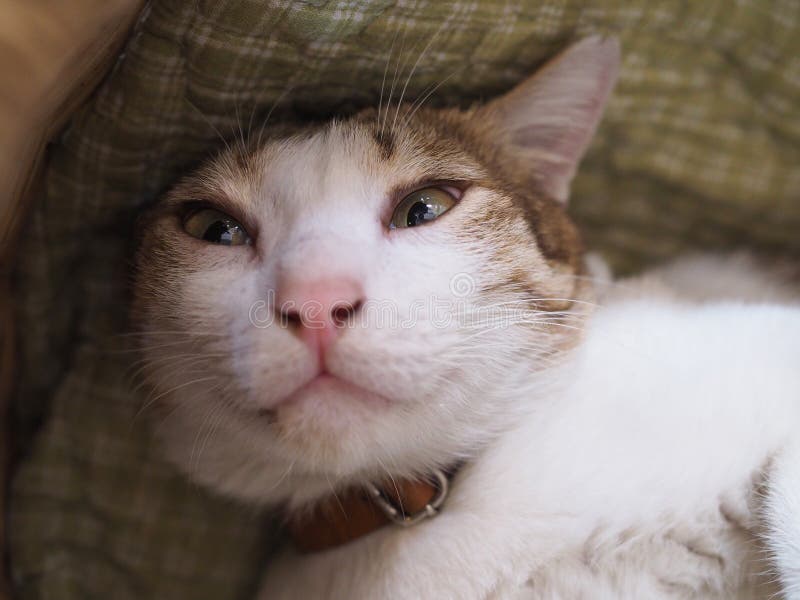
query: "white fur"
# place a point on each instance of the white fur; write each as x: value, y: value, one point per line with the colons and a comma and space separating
x: 782, y: 515
x: 636, y: 478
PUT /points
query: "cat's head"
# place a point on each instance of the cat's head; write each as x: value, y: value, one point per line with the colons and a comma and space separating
x: 372, y: 295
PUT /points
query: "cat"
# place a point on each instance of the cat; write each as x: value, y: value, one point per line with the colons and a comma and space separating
x: 347, y: 314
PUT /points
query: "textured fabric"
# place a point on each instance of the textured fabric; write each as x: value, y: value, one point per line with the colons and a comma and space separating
x: 700, y: 148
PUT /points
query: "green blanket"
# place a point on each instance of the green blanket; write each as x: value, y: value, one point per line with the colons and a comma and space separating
x: 700, y: 148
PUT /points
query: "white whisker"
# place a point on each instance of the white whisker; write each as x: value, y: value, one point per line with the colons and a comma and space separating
x: 433, y: 38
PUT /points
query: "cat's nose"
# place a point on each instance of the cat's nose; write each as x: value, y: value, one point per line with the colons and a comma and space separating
x: 317, y: 311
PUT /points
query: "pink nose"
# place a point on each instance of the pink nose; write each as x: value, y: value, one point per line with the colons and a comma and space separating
x: 318, y: 310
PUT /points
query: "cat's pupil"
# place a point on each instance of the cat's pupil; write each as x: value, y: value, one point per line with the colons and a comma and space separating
x: 220, y: 232
x: 419, y: 213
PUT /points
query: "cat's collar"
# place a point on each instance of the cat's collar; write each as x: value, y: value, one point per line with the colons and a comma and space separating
x: 345, y: 517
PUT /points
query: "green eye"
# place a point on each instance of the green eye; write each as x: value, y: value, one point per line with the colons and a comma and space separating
x: 215, y: 227
x: 421, y: 206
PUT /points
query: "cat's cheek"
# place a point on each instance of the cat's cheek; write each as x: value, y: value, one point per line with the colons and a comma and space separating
x: 230, y: 297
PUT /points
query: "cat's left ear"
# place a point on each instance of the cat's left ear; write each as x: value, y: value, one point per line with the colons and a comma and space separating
x: 547, y: 121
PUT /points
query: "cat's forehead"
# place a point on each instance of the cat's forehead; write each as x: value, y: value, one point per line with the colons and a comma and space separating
x: 345, y: 160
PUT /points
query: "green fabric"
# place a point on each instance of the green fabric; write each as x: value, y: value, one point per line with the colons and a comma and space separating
x: 700, y: 148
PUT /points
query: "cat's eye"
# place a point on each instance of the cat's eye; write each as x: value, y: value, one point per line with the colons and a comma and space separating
x: 422, y: 206
x: 215, y: 227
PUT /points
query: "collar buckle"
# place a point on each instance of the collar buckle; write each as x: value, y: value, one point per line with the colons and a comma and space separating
x: 394, y: 510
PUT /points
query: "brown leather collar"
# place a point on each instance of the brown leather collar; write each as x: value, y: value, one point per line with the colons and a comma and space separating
x: 340, y: 519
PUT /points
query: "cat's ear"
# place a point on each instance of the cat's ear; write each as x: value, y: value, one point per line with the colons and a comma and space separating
x: 548, y: 120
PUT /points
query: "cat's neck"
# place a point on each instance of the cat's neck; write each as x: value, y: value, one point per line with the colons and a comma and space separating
x: 529, y: 395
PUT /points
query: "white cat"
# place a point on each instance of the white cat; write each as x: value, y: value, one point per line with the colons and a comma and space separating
x: 344, y: 312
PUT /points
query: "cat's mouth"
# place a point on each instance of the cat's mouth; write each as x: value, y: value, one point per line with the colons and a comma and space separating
x: 325, y: 386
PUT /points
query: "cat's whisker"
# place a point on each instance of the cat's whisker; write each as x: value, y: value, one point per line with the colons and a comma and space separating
x: 595, y: 280
x: 209, y: 123
x: 507, y: 315
x: 392, y: 480
x: 433, y: 38
x: 214, y: 425
x: 192, y: 350
x: 176, y: 344
x: 265, y: 120
x: 332, y: 488
x: 394, y: 79
x: 283, y: 476
x: 250, y: 123
x: 467, y: 350
x: 502, y: 309
x: 172, y: 390
x: 190, y: 334
x: 138, y: 349
x: 153, y: 367
x: 237, y: 127
x: 417, y: 104
x: 488, y: 327
x: 557, y: 299
x: 150, y: 400
x: 385, y: 71
x: 211, y: 413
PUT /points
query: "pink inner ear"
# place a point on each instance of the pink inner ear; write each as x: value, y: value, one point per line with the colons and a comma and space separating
x: 550, y: 118
x: 556, y: 160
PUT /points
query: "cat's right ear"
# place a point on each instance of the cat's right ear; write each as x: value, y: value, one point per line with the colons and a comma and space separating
x: 546, y: 122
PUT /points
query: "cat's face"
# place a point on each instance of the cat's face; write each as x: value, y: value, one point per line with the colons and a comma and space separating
x: 361, y: 299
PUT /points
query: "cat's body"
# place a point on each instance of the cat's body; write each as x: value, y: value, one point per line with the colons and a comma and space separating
x: 644, y: 448
x: 645, y: 473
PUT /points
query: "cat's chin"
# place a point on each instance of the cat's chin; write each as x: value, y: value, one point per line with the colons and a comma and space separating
x: 328, y: 422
